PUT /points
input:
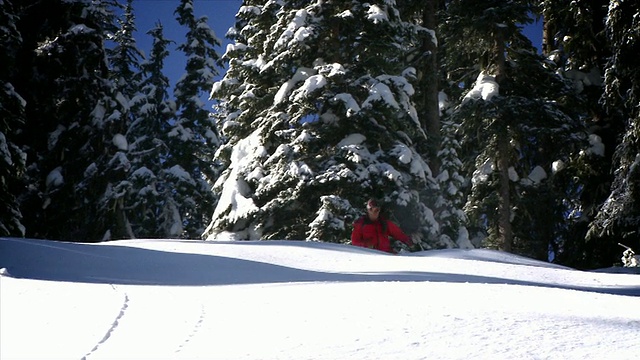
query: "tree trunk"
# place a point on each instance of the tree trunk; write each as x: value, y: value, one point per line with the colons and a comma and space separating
x: 430, y: 86
x: 122, y: 228
x: 548, y: 35
x: 505, y: 231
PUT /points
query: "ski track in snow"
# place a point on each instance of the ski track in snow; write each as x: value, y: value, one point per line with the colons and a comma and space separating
x: 292, y: 301
x: 196, y: 328
x: 173, y: 320
x: 114, y: 325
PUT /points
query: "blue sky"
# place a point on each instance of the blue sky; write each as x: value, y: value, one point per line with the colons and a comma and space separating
x: 221, y: 15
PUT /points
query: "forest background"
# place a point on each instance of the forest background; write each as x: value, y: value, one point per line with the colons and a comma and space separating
x: 442, y: 109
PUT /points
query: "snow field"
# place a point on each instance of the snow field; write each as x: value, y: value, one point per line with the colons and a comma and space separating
x: 304, y: 300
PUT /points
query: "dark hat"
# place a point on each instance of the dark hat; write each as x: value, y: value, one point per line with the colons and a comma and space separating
x: 373, y: 203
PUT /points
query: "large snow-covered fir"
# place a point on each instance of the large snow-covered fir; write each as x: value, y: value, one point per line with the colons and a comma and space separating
x: 172, y: 299
x: 314, y: 126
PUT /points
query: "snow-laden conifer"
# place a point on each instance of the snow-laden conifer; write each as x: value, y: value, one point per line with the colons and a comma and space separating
x: 107, y: 184
x: 67, y: 128
x: 574, y: 38
x: 450, y: 214
x: 12, y: 117
x: 193, y: 137
x: 619, y: 217
x: 511, y: 129
x: 151, y: 207
x: 317, y: 115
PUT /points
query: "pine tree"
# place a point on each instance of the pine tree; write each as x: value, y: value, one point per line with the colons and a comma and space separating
x: 619, y: 217
x: 107, y: 184
x: 124, y: 57
x: 425, y: 58
x: 317, y: 115
x: 510, y: 127
x: 12, y: 116
x: 63, y: 76
x: 151, y: 207
x: 441, y: 148
x: 450, y: 215
x: 575, y: 39
x: 193, y: 137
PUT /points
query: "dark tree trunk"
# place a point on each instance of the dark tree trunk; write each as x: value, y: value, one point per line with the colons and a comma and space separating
x: 505, y: 231
x: 431, y: 110
x: 548, y: 35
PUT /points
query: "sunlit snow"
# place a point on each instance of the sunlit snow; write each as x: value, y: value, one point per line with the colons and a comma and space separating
x: 235, y: 191
x: 301, y: 74
x: 481, y: 174
x: 352, y: 139
x: 177, y: 299
x: 292, y: 30
x: 485, y: 88
x: 351, y: 105
x: 557, y: 166
x: 310, y: 85
x: 376, y: 14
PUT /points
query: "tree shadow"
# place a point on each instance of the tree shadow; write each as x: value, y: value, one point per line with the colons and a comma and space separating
x: 123, y: 265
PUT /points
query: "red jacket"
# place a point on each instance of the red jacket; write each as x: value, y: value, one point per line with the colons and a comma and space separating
x: 375, y: 234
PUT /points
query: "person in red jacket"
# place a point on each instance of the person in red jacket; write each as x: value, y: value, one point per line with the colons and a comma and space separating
x: 373, y: 230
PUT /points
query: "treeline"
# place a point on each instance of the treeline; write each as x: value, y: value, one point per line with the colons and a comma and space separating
x: 442, y: 109
x: 93, y: 147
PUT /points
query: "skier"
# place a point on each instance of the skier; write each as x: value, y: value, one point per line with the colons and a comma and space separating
x: 373, y: 230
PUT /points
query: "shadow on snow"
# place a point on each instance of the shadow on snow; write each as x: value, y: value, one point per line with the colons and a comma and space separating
x: 123, y: 265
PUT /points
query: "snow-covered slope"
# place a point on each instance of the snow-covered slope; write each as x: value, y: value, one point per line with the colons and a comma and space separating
x: 168, y: 299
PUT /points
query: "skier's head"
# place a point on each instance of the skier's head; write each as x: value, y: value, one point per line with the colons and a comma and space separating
x: 373, y: 209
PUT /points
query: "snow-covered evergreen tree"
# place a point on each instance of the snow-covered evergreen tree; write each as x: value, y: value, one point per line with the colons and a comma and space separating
x: 193, y: 137
x: 124, y: 57
x: 425, y: 58
x: 12, y: 116
x: 151, y: 208
x: 442, y: 144
x: 619, y: 217
x: 575, y: 39
x: 450, y: 206
x: 317, y: 115
x: 64, y: 68
x: 106, y: 183
x: 511, y: 127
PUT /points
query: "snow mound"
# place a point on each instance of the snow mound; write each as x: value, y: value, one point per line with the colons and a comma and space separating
x: 179, y: 299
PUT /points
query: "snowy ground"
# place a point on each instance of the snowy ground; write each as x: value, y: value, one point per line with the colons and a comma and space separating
x: 164, y: 299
